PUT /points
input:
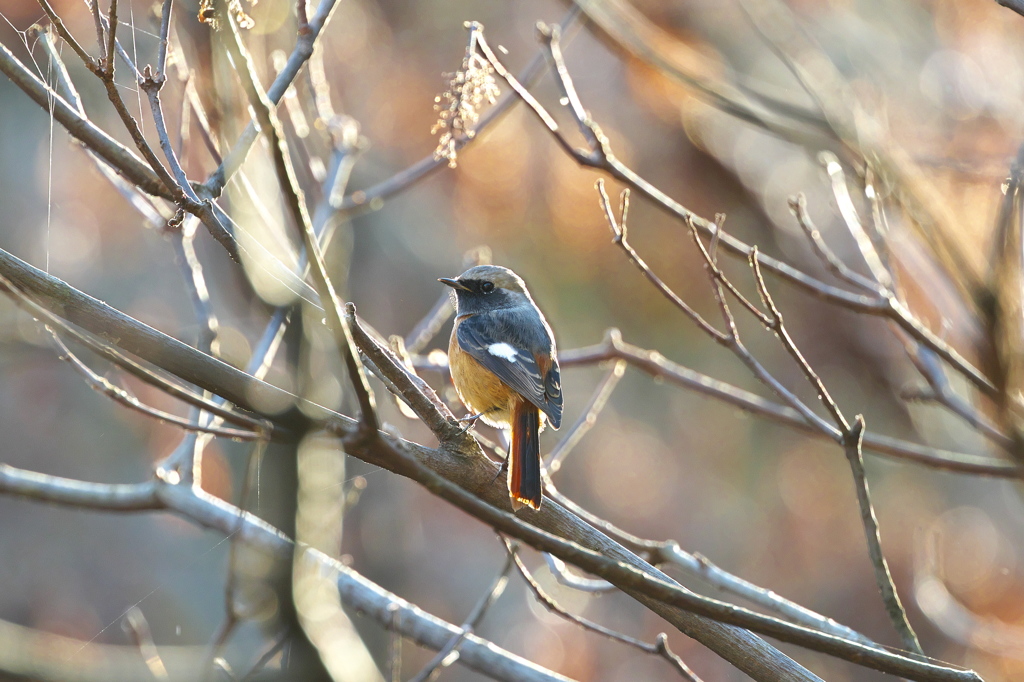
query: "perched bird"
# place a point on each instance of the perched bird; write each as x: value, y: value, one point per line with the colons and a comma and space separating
x: 503, y: 363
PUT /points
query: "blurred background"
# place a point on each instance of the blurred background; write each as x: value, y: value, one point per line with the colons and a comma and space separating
x: 943, y: 78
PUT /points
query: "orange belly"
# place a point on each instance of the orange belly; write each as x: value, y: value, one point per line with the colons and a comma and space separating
x: 480, y: 390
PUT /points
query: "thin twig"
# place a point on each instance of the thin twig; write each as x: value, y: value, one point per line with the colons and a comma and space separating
x: 619, y: 233
x: 798, y: 205
x: 95, y: 7
x: 778, y: 326
x: 848, y: 211
x: 449, y: 654
x: 661, y: 643
x: 598, y: 400
x: 134, y: 368
x: 108, y: 54
x: 122, y: 397
x: 165, y: 27
x: 940, y: 392
x: 551, y: 605
x: 190, y: 201
x: 66, y: 89
x: 66, y: 36
x: 844, y: 434
x: 730, y: 339
x: 893, y: 606
x: 564, y: 576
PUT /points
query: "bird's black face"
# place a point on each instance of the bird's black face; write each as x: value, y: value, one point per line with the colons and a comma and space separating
x: 479, y: 294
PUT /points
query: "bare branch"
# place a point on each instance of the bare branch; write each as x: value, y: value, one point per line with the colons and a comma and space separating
x: 798, y: 205
x: 125, y: 363
x: 612, y: 562
x: 302, y: 52
x: 478, y: 474
x: 165, y: 27
x: 940, y: 392
x: 849, y: 213
x: 66, y: 36
x: 135, y: 337
x: 778, y: 326
x: 564, y: 576
x: 108, y: 54
x: 73, y: 493
x: 416, y: 392
x: 657, y: 365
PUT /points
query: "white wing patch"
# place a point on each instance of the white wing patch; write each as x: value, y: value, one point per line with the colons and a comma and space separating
x: 503, y: 351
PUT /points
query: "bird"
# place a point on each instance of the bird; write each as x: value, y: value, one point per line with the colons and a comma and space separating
x: 505, y: 368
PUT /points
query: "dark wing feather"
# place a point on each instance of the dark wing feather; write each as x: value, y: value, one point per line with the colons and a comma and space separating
x: 528, y: 338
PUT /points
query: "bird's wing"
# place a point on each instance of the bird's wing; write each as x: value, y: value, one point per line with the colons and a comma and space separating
x: 519, y: 354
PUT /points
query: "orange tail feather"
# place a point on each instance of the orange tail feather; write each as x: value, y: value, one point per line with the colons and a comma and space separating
x: 524, y: 485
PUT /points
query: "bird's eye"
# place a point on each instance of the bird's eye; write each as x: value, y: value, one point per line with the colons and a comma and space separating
x: 487, y: 287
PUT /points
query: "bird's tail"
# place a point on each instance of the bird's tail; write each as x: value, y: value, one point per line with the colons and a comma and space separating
x: 524, y: 460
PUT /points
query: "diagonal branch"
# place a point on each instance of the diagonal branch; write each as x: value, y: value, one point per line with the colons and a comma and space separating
x: 295, y: 202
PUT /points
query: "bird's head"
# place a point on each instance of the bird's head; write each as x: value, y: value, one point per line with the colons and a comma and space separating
x: 487, y: 287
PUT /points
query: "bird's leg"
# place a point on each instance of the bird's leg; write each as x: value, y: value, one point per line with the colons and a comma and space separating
x: 506, y: 438
x: 503, y: 469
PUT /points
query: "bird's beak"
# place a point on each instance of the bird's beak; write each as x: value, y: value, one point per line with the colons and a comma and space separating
x: 453, y: 283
